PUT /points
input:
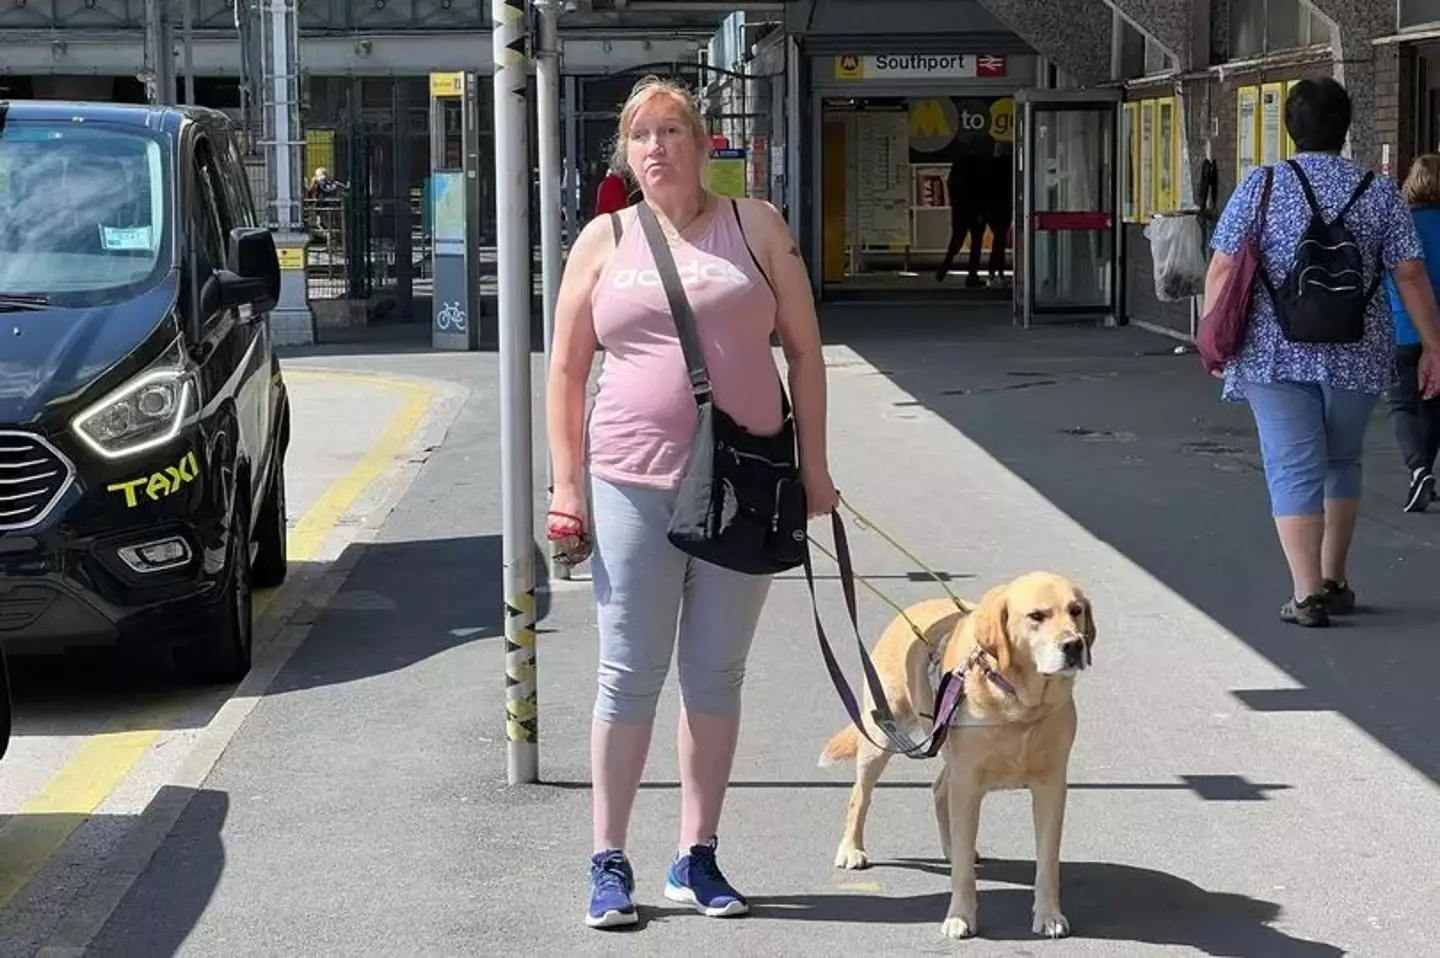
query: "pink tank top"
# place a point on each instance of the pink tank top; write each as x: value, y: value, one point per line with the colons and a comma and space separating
x: 644, y: 415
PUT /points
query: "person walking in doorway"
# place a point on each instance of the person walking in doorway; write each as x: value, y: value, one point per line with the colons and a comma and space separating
x: 1416, y: 420
x: 1312, y: 400
x: 745, y: 281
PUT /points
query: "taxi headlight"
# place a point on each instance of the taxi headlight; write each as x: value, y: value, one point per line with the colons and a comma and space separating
x: 146, y: 412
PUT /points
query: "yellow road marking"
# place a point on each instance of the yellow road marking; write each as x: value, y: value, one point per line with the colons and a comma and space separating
x: 309, y: 534
x: 107, y: 758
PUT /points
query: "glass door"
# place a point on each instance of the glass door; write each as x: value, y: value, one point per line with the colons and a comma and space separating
x: 1068, y: 180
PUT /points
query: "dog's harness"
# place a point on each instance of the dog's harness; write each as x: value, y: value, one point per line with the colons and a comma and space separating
x: 950, y: 688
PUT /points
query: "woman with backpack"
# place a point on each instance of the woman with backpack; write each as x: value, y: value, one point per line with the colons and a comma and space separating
x: 1318, y: 346
x: 1416, y: 420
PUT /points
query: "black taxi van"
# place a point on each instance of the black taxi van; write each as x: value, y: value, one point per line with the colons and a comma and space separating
x: 143, y: 417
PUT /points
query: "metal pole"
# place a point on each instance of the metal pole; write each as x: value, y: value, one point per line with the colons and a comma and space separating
x: 572, y: 161
x: 187, y: 10
x: 515, y: 255
x: 547, y: 108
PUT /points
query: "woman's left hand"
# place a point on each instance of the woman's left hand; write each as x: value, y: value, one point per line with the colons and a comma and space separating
x: 820, y: 494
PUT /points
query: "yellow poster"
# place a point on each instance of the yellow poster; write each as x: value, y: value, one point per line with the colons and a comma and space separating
x: 1167, y: 140
x: 727, y: 172
x: 1247, y: 131
x: 1272, y: 123
x: 1290, y: 148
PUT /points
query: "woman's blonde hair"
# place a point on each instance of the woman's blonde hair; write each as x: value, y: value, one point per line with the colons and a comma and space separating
x: 646, y: 90
x: 1422, y: 186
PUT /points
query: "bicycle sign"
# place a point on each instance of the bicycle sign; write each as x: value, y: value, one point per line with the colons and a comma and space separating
x: 451, y: 318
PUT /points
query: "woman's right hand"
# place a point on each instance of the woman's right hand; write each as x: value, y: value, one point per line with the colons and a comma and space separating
x: 567, y: 526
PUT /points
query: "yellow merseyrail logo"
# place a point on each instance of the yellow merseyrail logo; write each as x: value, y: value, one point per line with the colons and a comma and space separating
x: 159, y: 485
x: 927, y: 118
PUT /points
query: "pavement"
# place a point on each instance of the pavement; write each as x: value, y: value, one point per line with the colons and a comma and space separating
x: 1239, y: 787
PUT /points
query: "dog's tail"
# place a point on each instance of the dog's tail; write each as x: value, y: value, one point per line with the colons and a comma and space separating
x: 843, y: 745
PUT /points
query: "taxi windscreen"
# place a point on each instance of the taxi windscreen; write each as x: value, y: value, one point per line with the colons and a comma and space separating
x: 82, y: 211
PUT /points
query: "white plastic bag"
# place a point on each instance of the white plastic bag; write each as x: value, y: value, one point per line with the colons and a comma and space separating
x: 1177, y: 248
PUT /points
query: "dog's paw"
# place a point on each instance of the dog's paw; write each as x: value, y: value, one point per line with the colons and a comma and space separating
x: 958, y: 927
x: 852, y: 859
x: 1051, y: 924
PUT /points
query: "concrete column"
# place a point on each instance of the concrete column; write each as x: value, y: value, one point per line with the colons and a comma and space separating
x: 1075, y: 34
x: 292, y: 323
x: 1356, y: 23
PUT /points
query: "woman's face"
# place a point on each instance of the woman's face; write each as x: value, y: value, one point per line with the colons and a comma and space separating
x: 661, y: 147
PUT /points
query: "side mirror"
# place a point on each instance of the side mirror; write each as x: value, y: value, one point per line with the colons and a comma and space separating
x: 252, y: 257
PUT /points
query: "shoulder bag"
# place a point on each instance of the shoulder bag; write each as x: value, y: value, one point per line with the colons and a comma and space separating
x: 741, y: 504
x: 1221, y: 335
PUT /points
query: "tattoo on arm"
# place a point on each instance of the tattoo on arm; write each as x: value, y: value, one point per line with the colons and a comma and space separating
x: 794, y: 251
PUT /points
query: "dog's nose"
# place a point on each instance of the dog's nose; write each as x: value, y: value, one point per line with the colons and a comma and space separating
x: 1074, y: 649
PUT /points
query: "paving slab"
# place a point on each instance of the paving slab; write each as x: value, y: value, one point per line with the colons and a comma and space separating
x: 1239, y: 787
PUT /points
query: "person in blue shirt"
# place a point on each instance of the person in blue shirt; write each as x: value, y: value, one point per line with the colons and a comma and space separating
x: 1416, y: 420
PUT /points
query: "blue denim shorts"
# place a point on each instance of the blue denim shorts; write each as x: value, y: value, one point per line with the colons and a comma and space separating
x: 1311, y: 437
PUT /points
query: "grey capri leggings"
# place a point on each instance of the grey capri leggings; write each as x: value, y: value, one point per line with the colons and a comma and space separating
x: 643, y: 585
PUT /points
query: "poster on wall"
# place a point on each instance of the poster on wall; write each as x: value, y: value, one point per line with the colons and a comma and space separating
x: 1272, y: 123
x: 727, y: 172
x: 1247, y: 124
x: 1166, y: 147
x: 883, y: 178
x: 1147, y: 159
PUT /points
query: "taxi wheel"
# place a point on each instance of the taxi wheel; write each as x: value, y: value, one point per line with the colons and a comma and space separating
x: 271, y: 558
x: 220, y: 650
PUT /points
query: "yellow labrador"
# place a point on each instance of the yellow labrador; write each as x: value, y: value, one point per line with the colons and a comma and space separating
x: 1020, y: 650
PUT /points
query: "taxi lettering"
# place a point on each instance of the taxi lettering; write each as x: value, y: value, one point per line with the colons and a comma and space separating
x: 158, y: 485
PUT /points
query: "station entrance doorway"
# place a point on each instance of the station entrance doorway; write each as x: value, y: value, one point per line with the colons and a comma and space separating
x: 1067, y: 179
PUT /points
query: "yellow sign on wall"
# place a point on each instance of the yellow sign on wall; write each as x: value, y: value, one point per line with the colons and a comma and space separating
x: 726, y: 176
x: 291, y: 257
x: 849, y: 68
x: 447, y: 84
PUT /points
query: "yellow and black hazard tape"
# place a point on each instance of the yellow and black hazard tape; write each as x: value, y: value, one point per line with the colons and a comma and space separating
x: 521, y: 709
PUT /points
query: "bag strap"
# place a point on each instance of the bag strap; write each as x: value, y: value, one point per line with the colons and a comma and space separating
x: 616, y: 227
x: 1306, y: 188
x: 1260, y: 271
x: 735, y: 206
x: 1365, y: 182
x: 679, y: 304
x: 947, y: 697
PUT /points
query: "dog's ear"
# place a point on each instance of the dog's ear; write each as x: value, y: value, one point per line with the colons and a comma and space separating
x: 1087, y: 629
x: 992, y: 626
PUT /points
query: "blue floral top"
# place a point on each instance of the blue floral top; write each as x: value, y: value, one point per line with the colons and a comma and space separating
x: 1380, y: 220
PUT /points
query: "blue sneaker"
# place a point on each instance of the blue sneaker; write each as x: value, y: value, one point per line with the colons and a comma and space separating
x: 695, y: 879
x: 612, y: 882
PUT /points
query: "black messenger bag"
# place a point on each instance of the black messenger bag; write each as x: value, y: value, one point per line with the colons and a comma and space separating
x: 741, y: 504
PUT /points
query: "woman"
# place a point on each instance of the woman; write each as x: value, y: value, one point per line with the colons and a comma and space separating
x: 1416, y: 420
x: 1312, y: 401
x: 638, y: 444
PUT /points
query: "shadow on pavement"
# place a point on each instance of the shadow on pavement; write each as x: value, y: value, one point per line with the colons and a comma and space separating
x: 1134, y: 443
x: 194, y: 849
x: 404, y: 603
x: 193, y: 853
x: 1103, y: 901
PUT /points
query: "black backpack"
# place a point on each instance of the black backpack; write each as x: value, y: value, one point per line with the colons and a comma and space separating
x: 1324, y: 298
